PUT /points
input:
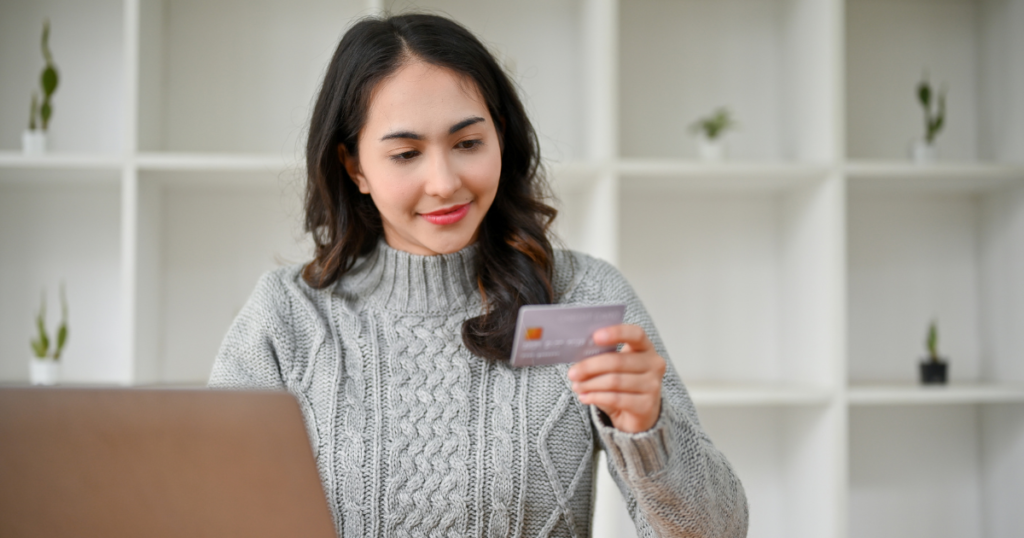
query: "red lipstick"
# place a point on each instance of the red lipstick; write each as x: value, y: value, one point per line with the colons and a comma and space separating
x: 447, y: 215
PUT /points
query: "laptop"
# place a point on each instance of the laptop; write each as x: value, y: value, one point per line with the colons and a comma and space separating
x: 157, y: 463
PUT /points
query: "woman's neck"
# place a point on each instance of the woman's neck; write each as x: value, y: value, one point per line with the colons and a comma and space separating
x: 401, y: 281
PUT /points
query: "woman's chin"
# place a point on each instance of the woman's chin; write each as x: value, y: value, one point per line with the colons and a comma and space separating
x: 432, y: 244
x: 448, y: 246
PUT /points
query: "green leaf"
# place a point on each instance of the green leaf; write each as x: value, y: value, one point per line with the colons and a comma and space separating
x: 62, y: 338
x: 42, y: 342
x: 44, y: 114
x: 62, y: 331
x: 933, y: 341
x: 38, y: 349
x: 715, y: 124
x: 48, y: 80
x: 924, y: 95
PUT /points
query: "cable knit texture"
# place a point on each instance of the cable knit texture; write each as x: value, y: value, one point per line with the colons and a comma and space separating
x: 416, y: 437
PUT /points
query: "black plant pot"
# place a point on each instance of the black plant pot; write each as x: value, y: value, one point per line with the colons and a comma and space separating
x: 934, y: 372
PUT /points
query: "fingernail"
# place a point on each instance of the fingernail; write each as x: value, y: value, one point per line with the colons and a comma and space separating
x: 575, y: 387
x: 572, y: 373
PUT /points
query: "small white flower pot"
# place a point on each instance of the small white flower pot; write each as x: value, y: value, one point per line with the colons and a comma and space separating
x: 44, y: 371
x: 33, y: 142
x: 710, y: 150
x: 923, y: 153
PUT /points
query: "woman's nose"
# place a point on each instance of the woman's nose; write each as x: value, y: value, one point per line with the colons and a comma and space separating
x: 442, y: 179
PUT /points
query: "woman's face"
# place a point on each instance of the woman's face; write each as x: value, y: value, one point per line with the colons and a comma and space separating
x: 429, y: 156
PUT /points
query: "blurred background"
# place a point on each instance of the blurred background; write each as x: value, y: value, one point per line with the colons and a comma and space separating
x: 797, y: 189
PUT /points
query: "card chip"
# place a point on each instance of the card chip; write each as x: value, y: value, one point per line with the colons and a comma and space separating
x: 534, y: 333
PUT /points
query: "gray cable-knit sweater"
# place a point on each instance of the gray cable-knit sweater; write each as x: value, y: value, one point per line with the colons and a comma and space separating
x: 415, y: 436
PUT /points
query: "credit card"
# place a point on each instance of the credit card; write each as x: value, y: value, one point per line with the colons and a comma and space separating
x: 555, y: 334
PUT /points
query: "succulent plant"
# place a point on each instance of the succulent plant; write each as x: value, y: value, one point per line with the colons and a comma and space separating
x: 48, y: 81
x: 932, y: 341
x: 932, y: 124
x: 41, y: 343
x: 715, y: 125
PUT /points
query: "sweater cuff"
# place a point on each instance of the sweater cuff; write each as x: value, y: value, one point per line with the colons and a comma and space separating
x: 637, y: 455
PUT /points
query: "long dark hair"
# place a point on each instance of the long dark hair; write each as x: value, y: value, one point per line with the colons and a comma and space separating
x: 516, y: 262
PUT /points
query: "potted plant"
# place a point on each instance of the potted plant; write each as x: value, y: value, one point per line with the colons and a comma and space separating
x: 709, y: 131
x: 933, y: 368
x: 924, y: 150
x: 33, y: 140
x: 44, y: 368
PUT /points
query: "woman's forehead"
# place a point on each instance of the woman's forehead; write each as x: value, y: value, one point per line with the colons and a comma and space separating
x: 424, y: 98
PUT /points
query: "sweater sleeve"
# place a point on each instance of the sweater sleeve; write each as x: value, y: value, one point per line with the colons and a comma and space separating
x: 674, y: 480
x: 249, y: 355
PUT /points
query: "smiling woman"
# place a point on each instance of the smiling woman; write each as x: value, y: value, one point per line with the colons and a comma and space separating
x: 428, y: 158
x: 426, y: 204
x: 423, y: 131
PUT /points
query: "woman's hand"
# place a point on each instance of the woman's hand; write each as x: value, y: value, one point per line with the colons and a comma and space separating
x: 625, y: 385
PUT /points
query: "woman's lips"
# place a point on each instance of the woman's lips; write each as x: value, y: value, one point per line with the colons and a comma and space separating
x: 448, y: 215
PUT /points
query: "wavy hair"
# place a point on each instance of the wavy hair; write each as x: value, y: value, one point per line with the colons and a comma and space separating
x: 515, y: 265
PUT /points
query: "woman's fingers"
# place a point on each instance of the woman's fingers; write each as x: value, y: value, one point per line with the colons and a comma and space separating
x: 605, y: 363
x: 626, y: 385
x: 632, y: 335
x: 618, y: 382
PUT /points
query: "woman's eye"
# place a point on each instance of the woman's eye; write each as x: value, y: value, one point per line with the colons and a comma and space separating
x: 405, y: 155
x: 469, y: 144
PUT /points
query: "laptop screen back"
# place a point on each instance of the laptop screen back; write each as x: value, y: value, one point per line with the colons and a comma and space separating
x: 156, y: 463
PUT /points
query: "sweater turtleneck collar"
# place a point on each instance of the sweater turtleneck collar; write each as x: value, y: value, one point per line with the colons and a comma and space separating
x: 397, y: 280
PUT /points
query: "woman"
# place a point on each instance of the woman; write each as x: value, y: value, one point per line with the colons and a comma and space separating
x: 425, y: 202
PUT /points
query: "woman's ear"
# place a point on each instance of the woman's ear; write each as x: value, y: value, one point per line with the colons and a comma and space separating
x: 351, y: 164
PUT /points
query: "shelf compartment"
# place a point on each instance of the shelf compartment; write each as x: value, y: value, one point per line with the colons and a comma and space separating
x: 770, y: 64
x: 789, y: 462
x: 936, y: 471
x: 54, y: 231
x: 743, y: 285
x: 230, y: 76
x: 204, y: 239
x: 86, y: 39
x: 919, y: 253
x: 968, y: 46
x: 957, y: 393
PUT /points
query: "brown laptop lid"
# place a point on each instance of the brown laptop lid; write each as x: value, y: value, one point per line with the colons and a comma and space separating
x: 156, y: 463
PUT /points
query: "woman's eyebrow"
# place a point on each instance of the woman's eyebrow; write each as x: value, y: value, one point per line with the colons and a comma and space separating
x: 452, y: 130
x: 464, y: 123
x: 401, y: 134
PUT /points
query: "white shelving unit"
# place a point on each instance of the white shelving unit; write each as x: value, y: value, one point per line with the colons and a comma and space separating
x: 792, y: 284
